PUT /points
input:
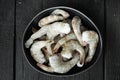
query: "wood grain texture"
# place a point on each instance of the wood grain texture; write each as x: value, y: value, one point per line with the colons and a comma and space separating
x: 27, y: 9
x: 6, y: 39
x: 112, y: 55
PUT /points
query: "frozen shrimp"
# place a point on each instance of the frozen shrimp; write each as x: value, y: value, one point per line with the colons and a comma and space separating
x: 61, y: 12
x: 76, y: 23
x: 91, y: 38
x: 59, y: 66
x: 49, y: 19
x: 64, y: 40
x: 68, y: 49
x: 36, y: 52
x: 51, y: 30
x: 56, y: 15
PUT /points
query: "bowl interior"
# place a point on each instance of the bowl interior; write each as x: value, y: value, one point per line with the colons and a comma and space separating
x: 85, y: 21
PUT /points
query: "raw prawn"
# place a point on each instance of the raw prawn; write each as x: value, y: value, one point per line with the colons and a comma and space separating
x: 36, y: 52
x: 52, y: 30
x: 59, y: 66
x: 56, y: 15
x: 71, y: 46
x: 49, y: 19
x: 63, y: 40
x: 61, y: 12
x: 76, y: 23
x: 91, y: 38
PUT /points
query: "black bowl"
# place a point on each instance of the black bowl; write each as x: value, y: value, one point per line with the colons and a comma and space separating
x: 85, y: 21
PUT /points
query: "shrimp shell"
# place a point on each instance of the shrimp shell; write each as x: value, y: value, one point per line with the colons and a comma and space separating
x: 56, y: 15
x: 68, y: 49
x: 36, y: 52
x: 59, y: 66
x: 52, y: 30
x: 64, y: 40
x: 76, y: 23
x: 49, y: 19
x: 91, y: 38
x: 61, y: 12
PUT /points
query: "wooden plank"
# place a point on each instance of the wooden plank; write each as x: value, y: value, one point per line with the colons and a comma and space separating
x: 27, y: 9
x: 112, y: 59
x: 6, y: 39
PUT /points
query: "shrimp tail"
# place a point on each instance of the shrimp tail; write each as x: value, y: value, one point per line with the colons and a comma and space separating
x: 45, y: 68
x: 80, y: 62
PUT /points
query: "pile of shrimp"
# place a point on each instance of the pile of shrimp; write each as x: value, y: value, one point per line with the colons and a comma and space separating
x: 61, y: 43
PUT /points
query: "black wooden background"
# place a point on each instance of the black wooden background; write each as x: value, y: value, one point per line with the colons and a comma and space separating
x: 16, y: 14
